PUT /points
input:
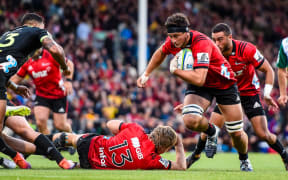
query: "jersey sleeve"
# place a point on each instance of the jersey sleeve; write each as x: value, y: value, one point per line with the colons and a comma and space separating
x: 202, y: 54
x: 159, y: 163
x: 41, y: 34
x: 253, y: 55
x: 128, y: 125
x: 23, y: 70
x: 282, y: 59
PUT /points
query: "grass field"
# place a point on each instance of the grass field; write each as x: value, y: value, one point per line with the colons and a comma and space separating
x: 223, y: 166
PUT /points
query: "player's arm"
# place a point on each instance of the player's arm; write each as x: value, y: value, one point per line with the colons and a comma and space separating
x: 57, y: 52
x: 156, y: 59
x: 180, y: 163
x: 18, y: 89
x: 16, y: 78
x: 282, y: 75
x: 282, y: 78
x: 70, y: 64
x: 68, y: 81
x: 269, y: 81
x: 114, y: 126
x: 282, y: 81
x: 196, y: 77
x: 269, y: 77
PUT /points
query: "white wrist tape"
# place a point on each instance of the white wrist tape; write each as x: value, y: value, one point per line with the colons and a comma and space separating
x: 144, y: 78
x: 267, y: 90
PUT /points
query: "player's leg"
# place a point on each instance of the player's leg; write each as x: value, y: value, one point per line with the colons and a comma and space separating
x: 217, y: 119
x: 20, y: 146
x: 234, y: 125
x: 196, y: 101
x: 41, y: 115
x: 43, y: 146
x: 3, y: 146
x: 229, y: 104
x: 59, y: 108
x: 3, y: 101
x: 65, y: 139
x: 80, y: 142
x: 256, y: 115
x: 61, y: 123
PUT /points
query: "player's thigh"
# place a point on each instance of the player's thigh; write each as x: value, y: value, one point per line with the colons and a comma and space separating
x: 217, y: 118
x: 228, y: 101
x: 231, y: 112
x: 21, y: 127
x: 41, y: 113
x: 198, y: 100
x: 199, y: 96
x: 60, y: 118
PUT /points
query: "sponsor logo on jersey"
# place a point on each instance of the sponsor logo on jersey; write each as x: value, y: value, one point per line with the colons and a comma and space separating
x: 45, y: 64
x: 136, y: 145
x: 102, y: 157
x: 256, y: 105
x: 202, y: 58
x: 164, y: 162
x: 39, y: 74
x: 258, y: 56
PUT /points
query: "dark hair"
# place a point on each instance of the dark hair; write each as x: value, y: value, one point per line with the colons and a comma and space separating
x: 222, y: 27
x: 177, y: 20
x: 31, y: 17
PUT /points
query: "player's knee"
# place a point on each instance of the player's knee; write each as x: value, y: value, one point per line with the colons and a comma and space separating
x: 61, y: 125
x: 192, y: 115
x: 237, y: 135
x: 41, y: 122
x: 235, y: 128
x: 263, y: 135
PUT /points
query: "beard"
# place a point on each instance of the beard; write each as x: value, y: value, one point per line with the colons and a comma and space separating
x: 225, y: 48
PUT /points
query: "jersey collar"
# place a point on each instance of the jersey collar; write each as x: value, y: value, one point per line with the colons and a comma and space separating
x: 233, y: 53
x: 190, y: 41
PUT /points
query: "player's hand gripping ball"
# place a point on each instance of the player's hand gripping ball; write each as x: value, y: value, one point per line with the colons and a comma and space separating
x: 182, y: 60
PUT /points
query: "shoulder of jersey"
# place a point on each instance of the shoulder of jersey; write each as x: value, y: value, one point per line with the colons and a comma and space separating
x: 199, y: 37
x: 243, y: 46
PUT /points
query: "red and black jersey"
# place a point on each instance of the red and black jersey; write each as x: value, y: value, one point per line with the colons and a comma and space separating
x: 129, y: 149
x: 244, y: 59
x: 206, y: 55
x: 46, y: 76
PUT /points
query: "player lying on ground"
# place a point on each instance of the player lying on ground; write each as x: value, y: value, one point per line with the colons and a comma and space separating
x: 130, y: 148
x: 41, y: 144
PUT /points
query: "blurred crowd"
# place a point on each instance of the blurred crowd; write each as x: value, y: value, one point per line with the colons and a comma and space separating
x: 100, y: 37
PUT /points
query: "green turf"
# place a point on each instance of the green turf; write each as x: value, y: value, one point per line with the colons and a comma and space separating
x: 223, y: 166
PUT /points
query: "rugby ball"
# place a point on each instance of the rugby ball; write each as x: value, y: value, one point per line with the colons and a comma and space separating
x: 185, y: 59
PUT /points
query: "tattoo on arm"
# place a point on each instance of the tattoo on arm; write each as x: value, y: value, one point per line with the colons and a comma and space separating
x: 48, y: 43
